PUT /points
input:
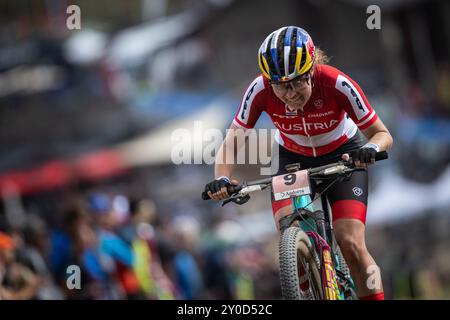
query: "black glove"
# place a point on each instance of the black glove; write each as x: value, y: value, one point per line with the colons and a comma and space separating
x: 216, y: 185
x: 364, y: 155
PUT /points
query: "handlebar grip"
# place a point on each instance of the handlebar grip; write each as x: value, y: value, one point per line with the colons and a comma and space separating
x: 205, y: 196
x: 382, y: 155
x: 231, y: 189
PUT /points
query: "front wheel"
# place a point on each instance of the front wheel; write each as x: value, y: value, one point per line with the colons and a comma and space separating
x: 299, y: 269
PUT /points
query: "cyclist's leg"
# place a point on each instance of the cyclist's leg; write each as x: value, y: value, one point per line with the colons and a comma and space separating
x: 280, y: 158
x: 348, y: 201
x: 281, y: 209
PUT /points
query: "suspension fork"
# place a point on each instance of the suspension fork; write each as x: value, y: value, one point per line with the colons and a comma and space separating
x: 328, y: 219
x: 331, y: 239
x: 319, y: 219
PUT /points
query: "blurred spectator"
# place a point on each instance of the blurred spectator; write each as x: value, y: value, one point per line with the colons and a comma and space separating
x: 187, y: 271
x: 62, y: 244
x: 443, y: 89
x: 17, y: 282
x: 32, y: 252
x: 111, y: 246
x: 101, y: 282
x: 215, y: 249
x: 140, y: 234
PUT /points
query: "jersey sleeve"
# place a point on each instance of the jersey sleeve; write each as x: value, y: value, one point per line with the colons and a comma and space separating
x: 354, y: 101
x: 252, y: 104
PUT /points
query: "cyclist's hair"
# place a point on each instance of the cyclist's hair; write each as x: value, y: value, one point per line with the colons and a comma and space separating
x: 321, y: 57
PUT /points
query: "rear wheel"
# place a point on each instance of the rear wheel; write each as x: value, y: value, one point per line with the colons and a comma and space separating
x: 299, y: 267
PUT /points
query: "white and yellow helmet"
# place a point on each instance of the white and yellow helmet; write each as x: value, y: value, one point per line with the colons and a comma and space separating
x: 286, y: 54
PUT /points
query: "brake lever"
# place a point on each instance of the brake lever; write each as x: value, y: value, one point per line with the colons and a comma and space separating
x: 238, y: 200
x: 242, y: 200
x: 350, y: 164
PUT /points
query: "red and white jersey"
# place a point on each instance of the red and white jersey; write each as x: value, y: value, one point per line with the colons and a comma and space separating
x: 336, y: 109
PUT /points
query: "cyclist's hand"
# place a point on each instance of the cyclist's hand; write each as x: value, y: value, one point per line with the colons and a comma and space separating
x: 362, y: 157
x: 217, y: 189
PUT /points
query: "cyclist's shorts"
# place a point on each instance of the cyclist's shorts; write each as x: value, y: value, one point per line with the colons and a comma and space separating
x: 348, y: 199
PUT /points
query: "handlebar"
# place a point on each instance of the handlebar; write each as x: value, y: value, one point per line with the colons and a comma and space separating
x: 382, y: 155
x: 339, y: 168
x: 234, y: 189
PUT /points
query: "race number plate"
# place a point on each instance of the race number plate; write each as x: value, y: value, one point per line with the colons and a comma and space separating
x: 291, y: 185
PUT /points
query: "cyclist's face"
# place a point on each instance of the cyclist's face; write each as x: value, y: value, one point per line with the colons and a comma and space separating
x: 296, y: 92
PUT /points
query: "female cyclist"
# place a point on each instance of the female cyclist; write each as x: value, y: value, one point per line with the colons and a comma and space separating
x: 317, y: 111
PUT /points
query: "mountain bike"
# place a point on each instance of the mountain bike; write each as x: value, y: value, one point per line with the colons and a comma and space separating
x: 312, y: 266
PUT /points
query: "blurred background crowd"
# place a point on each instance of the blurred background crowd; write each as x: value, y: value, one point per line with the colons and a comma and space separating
x: 86, y: 121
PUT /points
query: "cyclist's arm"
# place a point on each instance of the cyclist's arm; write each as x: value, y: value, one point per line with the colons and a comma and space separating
x: 252, y: 104
x: 355, y: 103
x: 378, y: 137
x: 226, y: 156
x: 226, y: 159
x: 378, y: 134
